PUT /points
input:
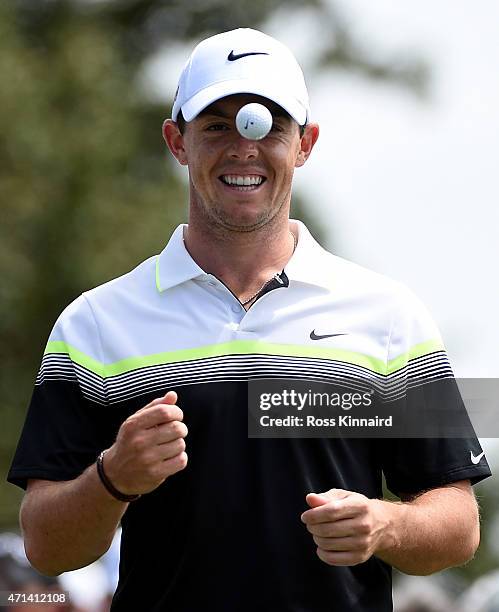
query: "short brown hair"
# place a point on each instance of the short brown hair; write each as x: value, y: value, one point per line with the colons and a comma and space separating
x: 180, y: 122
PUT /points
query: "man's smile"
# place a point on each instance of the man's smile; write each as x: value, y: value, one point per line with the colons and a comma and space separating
x: 242, y: 182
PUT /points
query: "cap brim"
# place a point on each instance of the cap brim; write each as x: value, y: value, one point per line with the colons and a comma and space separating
x: 207, y: 96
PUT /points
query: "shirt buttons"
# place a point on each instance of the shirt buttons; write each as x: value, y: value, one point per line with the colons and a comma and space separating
x: 212, y: 283
x: 236, y: 308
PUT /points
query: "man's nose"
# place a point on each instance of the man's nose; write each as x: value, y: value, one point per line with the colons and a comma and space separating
x: 243, y: 148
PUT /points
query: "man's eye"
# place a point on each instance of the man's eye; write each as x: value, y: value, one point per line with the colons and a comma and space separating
x: 217, y: 127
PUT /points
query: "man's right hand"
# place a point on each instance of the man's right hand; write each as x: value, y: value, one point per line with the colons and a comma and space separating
x: 149, y: 447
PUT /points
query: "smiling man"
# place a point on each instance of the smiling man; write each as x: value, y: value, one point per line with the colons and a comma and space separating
x: 240, y: 192
x: 213, y: 518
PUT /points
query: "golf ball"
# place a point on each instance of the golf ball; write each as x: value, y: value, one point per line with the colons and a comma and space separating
x: 253, y: 121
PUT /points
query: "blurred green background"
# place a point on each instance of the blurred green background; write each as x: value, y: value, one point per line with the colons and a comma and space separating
x: 87, y: 189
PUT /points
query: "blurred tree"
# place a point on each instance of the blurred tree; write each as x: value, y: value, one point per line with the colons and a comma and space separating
x: 84, y: 186
x: 85, y: 190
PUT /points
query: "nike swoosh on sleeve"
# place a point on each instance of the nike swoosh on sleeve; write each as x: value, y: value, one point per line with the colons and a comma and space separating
x: 477, y: 459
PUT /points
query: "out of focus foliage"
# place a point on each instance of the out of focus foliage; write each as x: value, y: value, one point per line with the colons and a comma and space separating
x: 86, y: 188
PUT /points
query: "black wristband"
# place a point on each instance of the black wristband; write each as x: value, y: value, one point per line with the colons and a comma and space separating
x: 107, y: 483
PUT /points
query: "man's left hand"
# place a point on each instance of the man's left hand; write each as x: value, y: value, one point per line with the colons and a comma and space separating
x: 347, y: 527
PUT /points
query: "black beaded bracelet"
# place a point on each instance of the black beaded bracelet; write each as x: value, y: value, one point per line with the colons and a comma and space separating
x: 107, y: 483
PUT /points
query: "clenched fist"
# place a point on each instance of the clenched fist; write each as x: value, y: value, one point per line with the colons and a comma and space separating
x: 347, y: 527
x: 149, y: 447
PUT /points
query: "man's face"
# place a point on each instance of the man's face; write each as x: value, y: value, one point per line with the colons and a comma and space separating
x: 218, y: 157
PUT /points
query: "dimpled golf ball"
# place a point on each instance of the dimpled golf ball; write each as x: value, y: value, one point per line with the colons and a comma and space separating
x: 253, y: 121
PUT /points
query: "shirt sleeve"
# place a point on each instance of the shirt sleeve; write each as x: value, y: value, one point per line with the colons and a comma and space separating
x: 420, y: 376
x: 67, y: 423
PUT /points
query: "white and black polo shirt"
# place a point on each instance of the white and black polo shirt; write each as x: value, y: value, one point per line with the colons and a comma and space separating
x: 225, y: 533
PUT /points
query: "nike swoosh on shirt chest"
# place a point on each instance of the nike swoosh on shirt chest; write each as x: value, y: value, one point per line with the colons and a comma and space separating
x: 314, y: 336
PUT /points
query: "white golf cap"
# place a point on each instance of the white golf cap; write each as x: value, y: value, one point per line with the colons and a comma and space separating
x: 241, y: 61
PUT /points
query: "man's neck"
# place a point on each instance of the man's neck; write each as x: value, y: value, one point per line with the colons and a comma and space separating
x: 243, y: 261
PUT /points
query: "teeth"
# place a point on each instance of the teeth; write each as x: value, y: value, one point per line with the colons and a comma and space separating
x: 232, y: 179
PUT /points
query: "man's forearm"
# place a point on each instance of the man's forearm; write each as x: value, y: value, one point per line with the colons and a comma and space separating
x: 431, y: 532
x: 69, y: 524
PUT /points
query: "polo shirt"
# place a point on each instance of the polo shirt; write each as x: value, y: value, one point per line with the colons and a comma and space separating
x: 225, y: 532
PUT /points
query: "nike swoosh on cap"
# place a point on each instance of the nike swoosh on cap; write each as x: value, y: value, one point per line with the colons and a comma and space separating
x: 232, y: 57
x: 476, y: 459
x: 314, y: 336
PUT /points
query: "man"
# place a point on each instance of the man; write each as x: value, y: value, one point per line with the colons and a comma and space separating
x: 240, y: 293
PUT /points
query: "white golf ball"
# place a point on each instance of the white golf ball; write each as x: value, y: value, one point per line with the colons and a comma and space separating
x: 253, y: 121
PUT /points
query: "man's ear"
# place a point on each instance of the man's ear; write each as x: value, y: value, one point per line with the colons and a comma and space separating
x: 175, y: 141
x: 307, y: 143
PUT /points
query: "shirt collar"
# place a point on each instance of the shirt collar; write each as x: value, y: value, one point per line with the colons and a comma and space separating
x: 307, y: 264
x: 174, y: 265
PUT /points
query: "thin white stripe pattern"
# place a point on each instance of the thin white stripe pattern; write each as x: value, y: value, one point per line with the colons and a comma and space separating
x: 242, y: 368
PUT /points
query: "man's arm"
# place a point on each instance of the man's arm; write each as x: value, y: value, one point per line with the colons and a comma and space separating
x: 67, y: 525
x: 420, y: 535
x: 432, y: 531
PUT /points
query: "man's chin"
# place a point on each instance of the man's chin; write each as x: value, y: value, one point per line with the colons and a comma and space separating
x: 244, y: 222
x: 241, y: 218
